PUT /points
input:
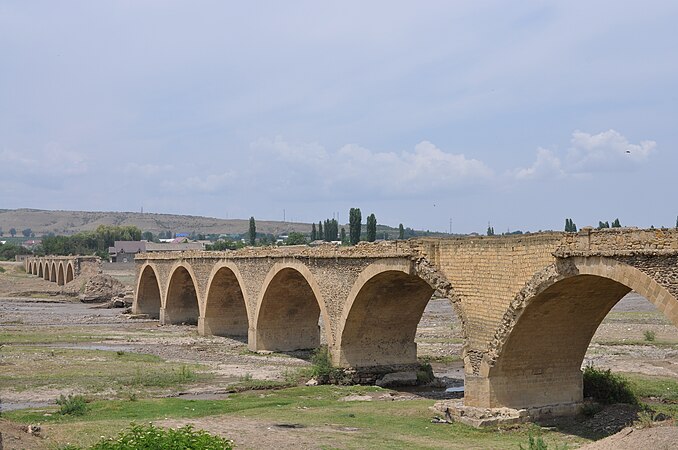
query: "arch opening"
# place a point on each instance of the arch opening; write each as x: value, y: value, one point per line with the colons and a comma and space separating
x: 69, y: 273
x: 60, y: 275
x: 53, y: 273
x: 381, y: 324
x: 182, y: 299
x: 148, y: 300
x: 547, y: 345
x: 225, y: 310
x: 288, y: 315
x: 44, y: 271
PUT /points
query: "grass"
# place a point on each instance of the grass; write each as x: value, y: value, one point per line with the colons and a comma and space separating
x: 90, y: 370
x: 378, y: 424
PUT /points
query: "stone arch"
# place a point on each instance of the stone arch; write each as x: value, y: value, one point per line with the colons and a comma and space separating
x: 70, y: 274
x: 61, y: 276
x: 41, y: 269
x: 226, y: 309
x: 288, y: 309
x: 547, y: 330
x: 46, y: 270
x: 148, y: 299
x: 182, y: 305
x: 379, y: 321
x: 53, y: 272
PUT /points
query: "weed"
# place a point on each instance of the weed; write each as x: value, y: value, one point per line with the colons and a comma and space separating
x: 649, y: 335
x: 133, y: 397
x: 645, y: 419
x: 534, y: 444
x: 149, y: 436
x: 2, y: 269
x: 120, y: 353
x: 74, y: 405
x: 324, y: 371
x: 246, y: 377
x: 425, y: 374
x: 607, y: 387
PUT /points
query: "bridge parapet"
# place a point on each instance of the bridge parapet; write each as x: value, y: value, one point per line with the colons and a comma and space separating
x: 618, y: 242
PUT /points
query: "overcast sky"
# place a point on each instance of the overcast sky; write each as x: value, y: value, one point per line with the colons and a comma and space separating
x: 516, y: 113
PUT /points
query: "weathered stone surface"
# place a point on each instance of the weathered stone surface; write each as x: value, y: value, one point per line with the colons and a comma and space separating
x: 398, y: 379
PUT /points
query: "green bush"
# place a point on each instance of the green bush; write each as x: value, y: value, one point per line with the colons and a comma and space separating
x: 74, y: 405
x: 606, y: 387
x: 151, y: 437
x: 324, y: 371
x: 649, y: 335
x: 535, y: 444
x: 425, y: 373
x: 2, y: 270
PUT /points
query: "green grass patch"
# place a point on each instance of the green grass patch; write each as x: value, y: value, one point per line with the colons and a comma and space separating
x: 661, y: 388
x: 637, y: 317
x: 91, y: 370
x: 37, y: 335
x: 376, y: 424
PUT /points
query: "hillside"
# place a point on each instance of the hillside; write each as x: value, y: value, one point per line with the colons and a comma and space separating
x: 42, y: 222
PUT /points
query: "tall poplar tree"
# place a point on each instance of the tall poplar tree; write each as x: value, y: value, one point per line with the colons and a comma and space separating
x: 253, y: 231
x: 371, y: 228
x: 354, y: 219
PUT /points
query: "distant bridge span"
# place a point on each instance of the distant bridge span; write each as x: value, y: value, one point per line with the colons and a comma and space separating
x: 529, y: 305
x: 59, y: 269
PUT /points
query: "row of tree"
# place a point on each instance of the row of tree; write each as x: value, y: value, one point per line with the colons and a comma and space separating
x: 27, y: 232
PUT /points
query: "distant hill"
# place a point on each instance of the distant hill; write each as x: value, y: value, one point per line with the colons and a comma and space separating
x: 42, y: 222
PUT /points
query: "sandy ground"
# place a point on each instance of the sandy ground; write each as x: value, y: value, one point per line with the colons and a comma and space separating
x: 438, y: 336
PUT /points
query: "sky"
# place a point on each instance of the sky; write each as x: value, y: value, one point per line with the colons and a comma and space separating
x: 441, y: 115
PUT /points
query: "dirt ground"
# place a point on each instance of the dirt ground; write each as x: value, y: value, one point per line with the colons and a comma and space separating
x: 29, y: 303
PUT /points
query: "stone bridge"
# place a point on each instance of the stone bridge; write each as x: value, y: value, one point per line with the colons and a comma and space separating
x: 59, y: 269
x: 528, y: 305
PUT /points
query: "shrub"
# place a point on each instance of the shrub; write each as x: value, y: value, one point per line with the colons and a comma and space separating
x: 2, y: 269
x: 74, y: 405
x: 425, y: 373
x: 649, y: 335
x: 607, y: 387
x: 535, y: 444
x: 151, y: 437
x: 324, y: 371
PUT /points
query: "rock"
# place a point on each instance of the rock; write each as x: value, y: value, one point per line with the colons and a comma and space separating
x: 102, y: 288
x: 312, y: 382
x: 408, y: 378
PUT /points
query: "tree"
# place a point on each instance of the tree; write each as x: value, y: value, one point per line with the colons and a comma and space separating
x: 676, y: 226
x: 602, y: 225
x: 147, y: 236
x: 27, y: 232
x: 321, y: 234
x: 371, y: 228
x: 490, y: 230
x: 401, y: 232
x: 616, y: 223
x: 253, y: 231
x: 2, y: 232
x: 343, y: 235
x: 354, y: 219
x: 314, y: 234
x: 570, y: 226
x: 295, y: 238
x: 12, y: 231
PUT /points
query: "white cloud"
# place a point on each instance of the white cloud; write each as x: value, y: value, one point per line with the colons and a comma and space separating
x: 353, y: 168
x: 608, y: 151
x: 547, y: 164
